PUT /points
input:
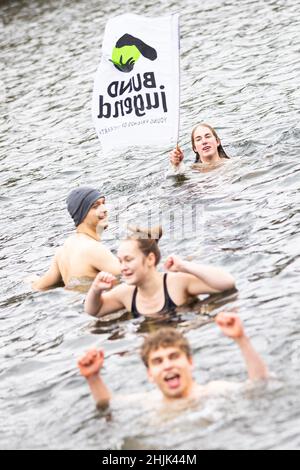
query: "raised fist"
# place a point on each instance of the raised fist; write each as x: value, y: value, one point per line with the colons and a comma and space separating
x: 103, y: 281
x: 231, y: 325
x: 91, y: 363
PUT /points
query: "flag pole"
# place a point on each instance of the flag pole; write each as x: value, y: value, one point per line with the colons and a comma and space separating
x: 179, y: 82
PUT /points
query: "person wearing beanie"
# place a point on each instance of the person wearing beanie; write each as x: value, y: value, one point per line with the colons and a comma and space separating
x: 83, y: 255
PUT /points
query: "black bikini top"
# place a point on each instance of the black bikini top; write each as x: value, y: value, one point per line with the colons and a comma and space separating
x: 168, y: 307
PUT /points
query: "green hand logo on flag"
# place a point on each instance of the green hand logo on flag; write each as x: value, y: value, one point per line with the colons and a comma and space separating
x: 127, y: 52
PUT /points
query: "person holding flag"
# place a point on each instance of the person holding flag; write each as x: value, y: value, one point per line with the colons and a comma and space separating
x: 207, y: 147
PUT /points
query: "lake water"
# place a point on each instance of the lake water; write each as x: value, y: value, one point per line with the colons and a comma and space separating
x: 240, y: 72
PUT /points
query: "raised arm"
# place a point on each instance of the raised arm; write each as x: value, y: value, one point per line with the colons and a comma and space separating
x: 99, y: 303
x: 232, y: 326
x: 201, y: 279
x: 90, y: 365
x: 51, y: 279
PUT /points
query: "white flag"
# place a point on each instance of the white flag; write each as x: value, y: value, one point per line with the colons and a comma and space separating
x: 136, y: 90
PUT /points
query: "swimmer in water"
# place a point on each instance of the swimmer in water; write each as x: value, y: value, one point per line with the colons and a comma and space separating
x: 207, y: 147
x: 82, y: 256
x: 146, y: 291
x: 168, y: 359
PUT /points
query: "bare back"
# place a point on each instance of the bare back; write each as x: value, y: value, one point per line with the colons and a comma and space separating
x: 83, y: 257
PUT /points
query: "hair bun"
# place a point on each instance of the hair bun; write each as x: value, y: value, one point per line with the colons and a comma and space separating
x: 153, y: 233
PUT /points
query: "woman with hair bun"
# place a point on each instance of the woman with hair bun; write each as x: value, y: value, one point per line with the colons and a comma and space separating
x: 145, y: 290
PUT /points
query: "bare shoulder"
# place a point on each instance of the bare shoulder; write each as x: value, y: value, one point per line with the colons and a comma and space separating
x: 122, y: 291
x: 69, y: 242
x: 97, y: 248
x: 220, y: 387
x: 179, y: 279
x: 59, y: 250
x: 144, y: 400
x: 174, y: 277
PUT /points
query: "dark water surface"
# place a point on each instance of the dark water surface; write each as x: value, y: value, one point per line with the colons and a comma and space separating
x: 241, y: 73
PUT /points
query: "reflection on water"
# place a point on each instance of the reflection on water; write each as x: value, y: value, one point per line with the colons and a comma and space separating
x: 240, y: 73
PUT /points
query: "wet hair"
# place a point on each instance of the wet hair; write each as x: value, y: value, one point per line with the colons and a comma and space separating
x: 164, y: 338
x: 147, y: 240
x: 221, y: 150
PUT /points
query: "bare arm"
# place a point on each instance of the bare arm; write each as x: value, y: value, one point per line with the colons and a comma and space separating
x: 232, y: 327
x: 90, y: 365
x: 202, y: 279
x: 102, y: 259
x: 207, y: 279
x: 99, y: 303
x: 257, y: 369
x: 50, y: 279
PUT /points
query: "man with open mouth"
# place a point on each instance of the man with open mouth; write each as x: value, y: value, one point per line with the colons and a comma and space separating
x: 168, y: 359
x: 82, y: 256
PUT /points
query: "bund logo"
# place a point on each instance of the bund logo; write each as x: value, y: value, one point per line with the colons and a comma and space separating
x: 127, y: 52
